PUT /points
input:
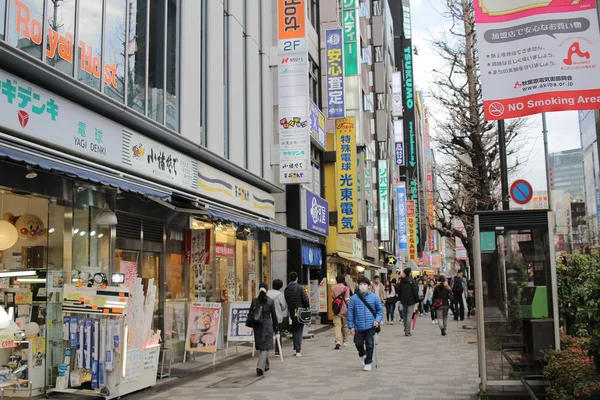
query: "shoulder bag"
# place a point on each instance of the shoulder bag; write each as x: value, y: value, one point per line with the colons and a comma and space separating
x: 254, y: 318
x: 303, y: 315
x: 378, y: 329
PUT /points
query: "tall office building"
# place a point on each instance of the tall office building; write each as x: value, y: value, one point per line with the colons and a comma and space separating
x: 566, y: 172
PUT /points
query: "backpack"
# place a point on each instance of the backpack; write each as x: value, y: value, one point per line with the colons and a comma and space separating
x: 457, y: 287
x: 337, y: 303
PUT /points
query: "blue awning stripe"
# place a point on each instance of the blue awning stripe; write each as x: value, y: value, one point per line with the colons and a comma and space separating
x: 53, y: 163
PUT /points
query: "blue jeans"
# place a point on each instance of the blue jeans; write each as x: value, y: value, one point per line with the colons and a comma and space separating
x: 298, y: 333
x: 362, y: 338
x: 400, y: 309
x: 390, y: 308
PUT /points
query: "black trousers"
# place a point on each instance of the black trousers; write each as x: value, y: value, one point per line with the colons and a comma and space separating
x: 458, y: 307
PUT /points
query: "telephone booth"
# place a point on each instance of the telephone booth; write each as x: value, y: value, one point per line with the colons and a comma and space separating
x: 516, y: 295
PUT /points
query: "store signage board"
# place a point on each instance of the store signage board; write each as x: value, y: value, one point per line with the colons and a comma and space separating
x: 204, y: 324
x: 224, y: 250
x: 384, y: 212
x: 411, y: 223
x: 238, y: 331
x: 334, y: 55
x: 317, y: 126
x: 402, y: 231
x: 314, y: 213
x: 350, y: 27
x: 345, y: 132
x: 400, y: 153
x: 539, y: 56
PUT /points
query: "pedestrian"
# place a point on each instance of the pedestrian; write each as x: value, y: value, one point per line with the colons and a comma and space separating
x: 340, y: 294
x: 422, y: 290
x: 296, y: 298
x: 429, y: 300
x: 265, y: 326
x: 470, y: 299
x: 389, y: 294
x: 377, y: 288
x: 442, y: 298
x: 349, y: 281
x: 365, y: 313
x: 397, y: 289
x: 458, y: 286
x: 280, y: 307
x: 408, y: 294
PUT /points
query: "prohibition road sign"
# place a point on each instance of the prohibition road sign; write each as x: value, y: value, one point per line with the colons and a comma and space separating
x: 521, y: 191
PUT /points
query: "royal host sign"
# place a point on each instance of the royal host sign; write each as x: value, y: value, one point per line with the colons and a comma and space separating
x: 538, y: 56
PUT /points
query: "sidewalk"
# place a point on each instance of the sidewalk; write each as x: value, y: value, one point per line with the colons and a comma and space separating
x: 422, y: 367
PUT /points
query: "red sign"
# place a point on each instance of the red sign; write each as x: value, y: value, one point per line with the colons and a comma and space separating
x: 224, y: 250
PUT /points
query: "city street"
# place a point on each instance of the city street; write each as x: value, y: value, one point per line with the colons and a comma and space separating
x: 422, y: 367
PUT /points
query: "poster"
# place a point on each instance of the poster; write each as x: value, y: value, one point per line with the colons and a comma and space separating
x: 150, y: 360
x: 38, y: 351
x: 130, y: 270
x: 538, y: 56
x: 231, y: 283
x: 313, y: 295
x: 323, y: 295
x: 238, y: 331
x: 133, y: 366
x: 55, y: 281
x: 199, y: 257
x: 203, y: 327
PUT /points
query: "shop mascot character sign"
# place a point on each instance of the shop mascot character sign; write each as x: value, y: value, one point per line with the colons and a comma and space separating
x: 29, y: 226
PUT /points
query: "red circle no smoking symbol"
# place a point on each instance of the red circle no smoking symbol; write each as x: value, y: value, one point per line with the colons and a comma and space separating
x: 496, y: 109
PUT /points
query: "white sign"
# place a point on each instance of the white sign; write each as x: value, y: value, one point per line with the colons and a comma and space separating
x: 396, y: 104
x: 384, y: 213
x: 238, y: 331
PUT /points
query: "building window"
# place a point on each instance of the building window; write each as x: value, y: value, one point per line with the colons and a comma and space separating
x: 172, y: 115
x: 27, y: 35
x: 371, y: 83
x: 378, y: 54
x: 376, y: 7
x: 136, y: 55
x: 89, y: 52
x: 2, y: 18
x: 156, y: 61
x: 114, y: 48
x: 365, y: 9
x: 61, y: 23
x: 313, y: 13
x: 314, y: 85
x: 380, y: 101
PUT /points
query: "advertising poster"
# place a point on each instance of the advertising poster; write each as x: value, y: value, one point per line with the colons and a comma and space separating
x: 130, y: 270
x: 336, y: 105
x: 313, y: 295
x: 55, y: 281
x: 203, y: 327
x: 345, y: 132
x: 199, y: 257
x: 323, y: 295
x: 238, y: 331
x: 538, y: 56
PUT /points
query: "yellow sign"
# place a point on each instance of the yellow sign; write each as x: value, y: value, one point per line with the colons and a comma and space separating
x: 345, y: 134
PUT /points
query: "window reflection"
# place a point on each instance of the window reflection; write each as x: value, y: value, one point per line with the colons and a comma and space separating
x: 114, y: 46
x: 26, y: 31
x: 60, y: 34
x: 136, y: 55
x: 90, y: 43
x: 156, y: 67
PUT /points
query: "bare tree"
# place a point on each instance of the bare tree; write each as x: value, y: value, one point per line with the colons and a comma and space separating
x: 468, y: 169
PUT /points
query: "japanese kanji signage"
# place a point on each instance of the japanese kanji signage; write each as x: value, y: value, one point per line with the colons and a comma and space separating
x: 294, y: 117
x: 314, y: 213
x: 334, y: 54
x: 349, y: 24
x: 345, y: 133
x: 400, y: 153
x: 538, y: 56
x: 402, y: 231
x: 384, y: 201
x: 411, y: 224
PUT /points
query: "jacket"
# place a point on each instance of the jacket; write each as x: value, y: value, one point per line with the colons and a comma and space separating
x: 378, y: 290
x: 295, y: 297
x: 442, y: 292
x: 359, y: 316
x: 408, y: 292
x: 429, y: 294
x: 268, y: 326
x: 280, y: 304
x: 336, y: 291
x: 390, y: 297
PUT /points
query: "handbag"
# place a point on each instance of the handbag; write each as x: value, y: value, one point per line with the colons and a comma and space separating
x: 254, y: 317
x: 437, y: 304
x: 303, y: 315
x: 360, y: 296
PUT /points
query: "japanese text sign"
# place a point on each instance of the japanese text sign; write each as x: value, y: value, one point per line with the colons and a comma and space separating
x: 399, y: 153
x: 334, y: 54
x: 384, y: 201
x: 345, y: 132
x: 538, y: 56
x: 314, y: 213
x: 292, y: 19
x: 349, y: 24
x: 402, y: 231
x: 317, y: 126
x: 411, y: 223
x: 430, y: 212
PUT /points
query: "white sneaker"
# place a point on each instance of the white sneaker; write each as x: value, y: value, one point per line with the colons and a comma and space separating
x: 433, y: 322
x: 367, y: 367
x: 392, y: 323
x: 436, y: 321
x: 362, y: 360
x: 345, y: 344
x: 298, y: 354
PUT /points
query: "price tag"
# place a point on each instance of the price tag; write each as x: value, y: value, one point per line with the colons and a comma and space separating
x: 122, y: 294
x: 106, y: 311
x: 122, y: 300
x: 81, y: 299
x: 94, y: 307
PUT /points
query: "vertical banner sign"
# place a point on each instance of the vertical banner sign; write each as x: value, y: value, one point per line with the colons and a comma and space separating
x: 430, y: 213
x: 538, y: 56
x: 399, y: 153
x: 411, y: 225
x: 294, y: 127
x: 317, y: 126
x: 345, y: 136
x: 334, y: 54
x: 402, y: 233
x: 384, y: 212
x: 349, y: 22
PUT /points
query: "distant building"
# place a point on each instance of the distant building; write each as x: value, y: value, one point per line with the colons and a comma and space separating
x: 588, y: 127
x: 566, y: 172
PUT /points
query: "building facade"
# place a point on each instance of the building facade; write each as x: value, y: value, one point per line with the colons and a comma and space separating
x: 566, y: 171
x: 589, y: 122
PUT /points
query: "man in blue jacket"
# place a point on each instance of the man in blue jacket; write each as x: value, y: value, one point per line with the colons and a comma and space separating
x: 363, y: 320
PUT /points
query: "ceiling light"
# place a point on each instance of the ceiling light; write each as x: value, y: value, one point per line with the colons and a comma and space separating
x: 106, y: 217
x: 32, y: 280
x: 51, y: 230
x: 100, y: 235
x: 31, y: 174
x: 10, y: 274
x: 75, y: 231
x: 360, y: 268
x: 234, y: 226
x: 82, y: 233
x: 93, y: 233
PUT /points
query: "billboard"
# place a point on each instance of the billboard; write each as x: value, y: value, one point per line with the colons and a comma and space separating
x: 345, y: 138
x: 538, y: 56
x: 334, y: 55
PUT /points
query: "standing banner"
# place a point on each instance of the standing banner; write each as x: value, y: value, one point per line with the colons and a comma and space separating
x: 334, y: 55
x: 238, y: 331
x: 345, y: 137
x: 538, y: 56
x: 402, y: 232
x: 204, y: 324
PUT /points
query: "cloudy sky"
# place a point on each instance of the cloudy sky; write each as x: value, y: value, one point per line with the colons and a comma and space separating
x: 563, y: 127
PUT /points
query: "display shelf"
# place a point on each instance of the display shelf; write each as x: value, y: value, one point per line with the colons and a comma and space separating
x: 17, y: 389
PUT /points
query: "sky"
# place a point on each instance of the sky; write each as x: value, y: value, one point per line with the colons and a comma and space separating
x: 563, y: 127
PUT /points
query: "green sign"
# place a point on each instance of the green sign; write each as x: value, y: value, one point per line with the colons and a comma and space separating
x: 488, y: 242
x: 349, y: 23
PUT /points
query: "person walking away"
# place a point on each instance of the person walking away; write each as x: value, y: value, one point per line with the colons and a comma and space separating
x: 377, y: 288
x: 349, y: 281
x: 429, y: 300
x: 396, y: 285
x: 265, y: 326
x: 408, y: 294
x: 457, y: 295
x: 365, y: 313
x: 442, y: 298
x: 470, y: 299
x: 422, y: 289
x: 280, y: 307
x: 296, y: 298
x: 389, y: 294
x: 340, y: 294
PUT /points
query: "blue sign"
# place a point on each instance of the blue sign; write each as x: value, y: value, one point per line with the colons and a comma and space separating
x: 334, y: 56
x: 402, y: 234
x: 311, y: 255
x: 521, y: 192
x: 400, y: 153
x: 315, y: 215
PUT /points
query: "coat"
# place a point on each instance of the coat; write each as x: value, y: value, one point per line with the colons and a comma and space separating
x: 280, y: 304
x: 359, y: 316
x: 268, y: 326
x: 408, y: 291
x: 295, y: 297
x: 442, y: 292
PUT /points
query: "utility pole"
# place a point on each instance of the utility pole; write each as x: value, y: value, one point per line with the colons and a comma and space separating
x: 503, y: 166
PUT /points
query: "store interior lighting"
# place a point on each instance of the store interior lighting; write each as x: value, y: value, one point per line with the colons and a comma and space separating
x: 31, y: 174
x: 93, y: 233
x: 106, y: 217
x: 51, y: 230
x: 12, y: 274
x: 100, y: 235
x: 360, y: 268
x: 34, y: 279
x: 75, y: 231
x: 82, y: 233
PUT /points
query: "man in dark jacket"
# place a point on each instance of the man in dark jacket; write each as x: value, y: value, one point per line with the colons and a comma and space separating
x: 296, y: 297
x: 408, y: 293
x: 458, y: 290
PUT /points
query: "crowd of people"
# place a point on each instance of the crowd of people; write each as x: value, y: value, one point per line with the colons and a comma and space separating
x: 359, y: 310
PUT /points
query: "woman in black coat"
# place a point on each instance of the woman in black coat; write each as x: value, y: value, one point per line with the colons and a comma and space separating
x: 265, y: 327
x: 442, y: 292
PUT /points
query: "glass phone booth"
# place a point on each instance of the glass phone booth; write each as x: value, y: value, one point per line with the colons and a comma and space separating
x: 516, y: 295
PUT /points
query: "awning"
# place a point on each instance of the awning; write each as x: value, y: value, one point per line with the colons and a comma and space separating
x: 350, y: 257
x: 262, y: 224
x: 56, y: 164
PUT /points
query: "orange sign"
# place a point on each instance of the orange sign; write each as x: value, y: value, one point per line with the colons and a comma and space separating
x: 31, y: 29
x: 292, y: 19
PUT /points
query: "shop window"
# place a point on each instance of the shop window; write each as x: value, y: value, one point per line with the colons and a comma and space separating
x: 136, y: 55
x: 313, y: 13
x: 314, y: 79
x: 156, y: 66
x: 114, y: 47
x: 26, y: 34
x: 61, y: 25
x: 89, y: 48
